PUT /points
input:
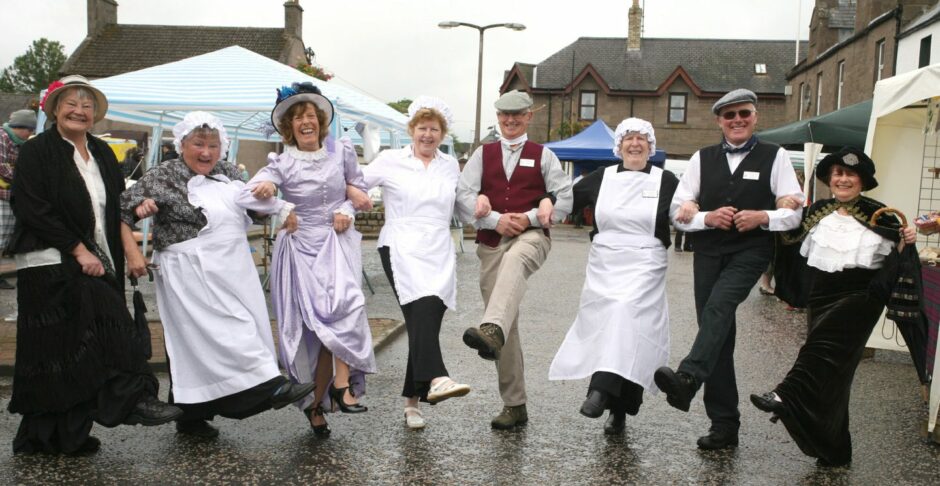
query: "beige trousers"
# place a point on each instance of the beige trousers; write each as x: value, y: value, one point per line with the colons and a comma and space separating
x: 503, y: 274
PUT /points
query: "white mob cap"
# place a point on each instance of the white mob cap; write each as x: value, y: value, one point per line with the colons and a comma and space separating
x: 634, y: 125
x: 435, y: 104
x: 194, y: 120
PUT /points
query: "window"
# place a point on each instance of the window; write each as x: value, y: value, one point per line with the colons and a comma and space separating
x: 677, y: 107
x: 879, y: 59
x: 760, y: 68
x: 804, y: 100
x: 924, y: 52
x: 841, y: 79
x: 588, y: 105
x: 818, y: 94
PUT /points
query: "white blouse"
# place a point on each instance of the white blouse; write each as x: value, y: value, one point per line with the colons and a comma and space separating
x: 419, y: 206
x: 839, y: 242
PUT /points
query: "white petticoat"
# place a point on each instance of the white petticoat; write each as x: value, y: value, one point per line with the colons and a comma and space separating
x: 838, y: 242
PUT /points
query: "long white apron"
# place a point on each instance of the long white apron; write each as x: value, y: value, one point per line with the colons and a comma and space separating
x: 622, y: 324
x: 424, y: 263
x: 215, y: 320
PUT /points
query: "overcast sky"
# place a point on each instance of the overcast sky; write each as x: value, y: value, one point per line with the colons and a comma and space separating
x: 393, y: 49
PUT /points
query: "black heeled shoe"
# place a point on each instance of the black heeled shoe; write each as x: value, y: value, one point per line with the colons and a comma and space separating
x: 318, y: 430
x: 336, y: 394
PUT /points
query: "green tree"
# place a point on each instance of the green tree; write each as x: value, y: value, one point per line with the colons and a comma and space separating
x: 401, y: 105
x: 33, y: 71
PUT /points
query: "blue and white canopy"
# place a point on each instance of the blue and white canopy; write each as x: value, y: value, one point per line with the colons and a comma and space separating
x: 235, y: 84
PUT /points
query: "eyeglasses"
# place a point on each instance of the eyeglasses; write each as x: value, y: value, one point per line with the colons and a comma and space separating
x: 514, y: 114
x: 729, y: 115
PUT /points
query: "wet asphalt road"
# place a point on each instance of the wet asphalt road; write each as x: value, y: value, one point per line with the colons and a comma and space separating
x: 559, y: 446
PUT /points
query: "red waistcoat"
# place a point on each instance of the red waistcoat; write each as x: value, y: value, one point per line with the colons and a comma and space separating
x: 517, y: 195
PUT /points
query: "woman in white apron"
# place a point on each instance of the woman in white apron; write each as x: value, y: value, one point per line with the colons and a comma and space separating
x: 215, y: 320
x: 621, y: 333
x: 419, y: 186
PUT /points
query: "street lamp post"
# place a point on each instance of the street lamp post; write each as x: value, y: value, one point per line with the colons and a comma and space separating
x: 451, y: 25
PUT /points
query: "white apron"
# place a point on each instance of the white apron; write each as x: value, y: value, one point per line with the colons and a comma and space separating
x: 623, y: 322
x: 424, y: 263
x: 215, y: 319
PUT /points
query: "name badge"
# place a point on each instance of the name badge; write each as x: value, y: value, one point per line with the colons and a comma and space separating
x: 651, y: 193
x: 751, y: 176
x: 527, y: 162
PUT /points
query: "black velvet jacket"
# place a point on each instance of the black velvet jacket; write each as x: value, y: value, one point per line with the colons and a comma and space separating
x: 52, y: 206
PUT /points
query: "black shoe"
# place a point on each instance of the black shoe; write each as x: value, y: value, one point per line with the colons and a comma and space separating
x: 149, y: 411
x: 820, y: 462
x: 337, y: 394
x: 289, y: 393
x: 90, y: 446
x: 197, y: 428
x: 318, y: 430
x: 488, y: 340
x: 615, y: 423
x: 5, y: 285
x: 767, y: 403
x: 595, y: 404
x: 718, y: 439
x: 679, y: 387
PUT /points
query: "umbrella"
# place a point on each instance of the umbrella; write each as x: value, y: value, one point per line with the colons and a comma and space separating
x: 140, y: 316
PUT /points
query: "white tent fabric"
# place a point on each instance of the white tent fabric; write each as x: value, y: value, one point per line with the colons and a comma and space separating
x: 896, y: 142
x: 236, y: 84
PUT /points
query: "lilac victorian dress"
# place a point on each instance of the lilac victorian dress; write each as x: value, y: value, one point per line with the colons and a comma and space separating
x: 316, y: 273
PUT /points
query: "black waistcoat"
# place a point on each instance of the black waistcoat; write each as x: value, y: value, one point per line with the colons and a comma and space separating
x: 719, y: 187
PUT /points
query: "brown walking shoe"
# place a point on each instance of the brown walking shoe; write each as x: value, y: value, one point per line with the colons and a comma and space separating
x: 510, y: 417
x: 488, y: 340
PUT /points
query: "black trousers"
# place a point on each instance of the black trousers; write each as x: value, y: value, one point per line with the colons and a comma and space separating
x: 623, y: 395
x: 721, y: 283
x: 423, y: 319
x: 679, y: 241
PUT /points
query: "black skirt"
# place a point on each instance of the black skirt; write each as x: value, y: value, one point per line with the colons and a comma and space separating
x: 73, y: 334
x: 842, y: 313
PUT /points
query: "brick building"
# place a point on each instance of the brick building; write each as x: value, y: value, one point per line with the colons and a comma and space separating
x: 852, y: 45
x: 670, y: 82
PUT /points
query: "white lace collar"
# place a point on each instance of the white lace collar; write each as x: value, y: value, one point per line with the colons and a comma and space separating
x: 305, y: 155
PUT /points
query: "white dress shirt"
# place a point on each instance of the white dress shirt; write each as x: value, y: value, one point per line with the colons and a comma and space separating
x: 783, y: 182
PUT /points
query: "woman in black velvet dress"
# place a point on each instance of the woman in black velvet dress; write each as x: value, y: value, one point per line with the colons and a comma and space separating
x: 844, y: 254
x: 79, y: 356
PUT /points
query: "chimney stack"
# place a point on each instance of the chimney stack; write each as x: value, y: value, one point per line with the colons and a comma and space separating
x: 293, y: 18
x: 635, y: 29
x: 101, y: 13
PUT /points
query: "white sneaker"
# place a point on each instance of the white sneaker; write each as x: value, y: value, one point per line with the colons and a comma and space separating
x: 446, y: 388
x: 413, y: 418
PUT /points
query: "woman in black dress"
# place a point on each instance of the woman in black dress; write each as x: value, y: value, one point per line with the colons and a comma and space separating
x: 79, y: 357
x: 844, y: 253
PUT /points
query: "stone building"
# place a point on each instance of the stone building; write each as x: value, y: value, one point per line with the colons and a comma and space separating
x: 670, y: 82
x: 852, y: 45
x: 111, y: 48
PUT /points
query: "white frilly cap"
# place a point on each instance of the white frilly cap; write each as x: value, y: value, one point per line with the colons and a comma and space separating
x: 194, y: 120
x: 634, y: 125
x: 435, y: 104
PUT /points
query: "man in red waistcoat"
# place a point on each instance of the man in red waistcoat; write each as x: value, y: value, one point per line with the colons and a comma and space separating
x: 525, y: 189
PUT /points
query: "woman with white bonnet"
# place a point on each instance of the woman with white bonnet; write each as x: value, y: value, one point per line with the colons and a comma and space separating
x: 215, y: 319
x: 419, y: 187
x: 621, y: 333
x: 316, y: 286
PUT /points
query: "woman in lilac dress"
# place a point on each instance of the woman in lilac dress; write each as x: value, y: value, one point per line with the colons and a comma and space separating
x: 316, y: 270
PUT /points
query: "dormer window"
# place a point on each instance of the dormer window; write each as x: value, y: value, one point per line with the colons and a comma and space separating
x: 760, y: 68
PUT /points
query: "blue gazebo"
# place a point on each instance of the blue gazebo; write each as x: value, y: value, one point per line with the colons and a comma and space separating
x: 592, y: 148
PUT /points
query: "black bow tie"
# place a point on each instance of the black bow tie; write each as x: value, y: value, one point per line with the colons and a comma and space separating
x: 729, y: 149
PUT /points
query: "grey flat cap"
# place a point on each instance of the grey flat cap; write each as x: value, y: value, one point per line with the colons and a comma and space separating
x: 23, y: 119
x: 514, y: 100
x: 739, y: 95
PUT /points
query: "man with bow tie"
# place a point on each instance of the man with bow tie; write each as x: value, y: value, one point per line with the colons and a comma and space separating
x: 518, y: 188
x: 731, y: 198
